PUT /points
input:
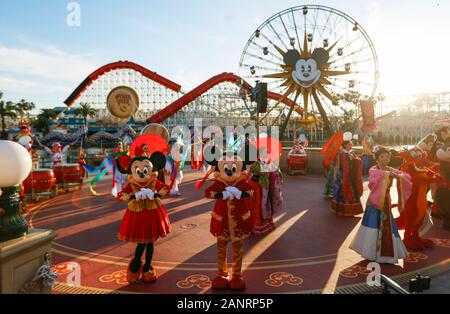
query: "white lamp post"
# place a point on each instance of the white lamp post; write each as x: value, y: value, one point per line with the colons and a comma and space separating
x: 15, y: 166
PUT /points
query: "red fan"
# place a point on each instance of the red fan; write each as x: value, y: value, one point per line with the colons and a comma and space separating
x: 332, y: 147
x: 154, y: 142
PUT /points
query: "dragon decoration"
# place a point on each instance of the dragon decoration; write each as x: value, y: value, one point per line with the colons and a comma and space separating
x: 63, y: 138
x: 123, y: 131
x: 58, y: 136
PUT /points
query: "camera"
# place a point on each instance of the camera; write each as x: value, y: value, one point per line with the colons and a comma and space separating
x: 419, y: 284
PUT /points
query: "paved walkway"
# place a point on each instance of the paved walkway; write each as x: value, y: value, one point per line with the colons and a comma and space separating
x: 307, y: 252
x: 440, y: 284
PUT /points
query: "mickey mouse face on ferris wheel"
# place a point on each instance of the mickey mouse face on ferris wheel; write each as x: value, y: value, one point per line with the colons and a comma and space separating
x: 306, y: 72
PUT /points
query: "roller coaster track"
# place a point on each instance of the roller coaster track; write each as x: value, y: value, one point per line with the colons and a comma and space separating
x: 179, y: 103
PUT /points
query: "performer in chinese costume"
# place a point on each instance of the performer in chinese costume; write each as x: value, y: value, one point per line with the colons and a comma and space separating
x: 58, y: 153
x: 348, y: 187
x: 266, y: 181
x: 331, y: 151
x: 416, y: 219
x: 367, y: 157
x: 442, y: 195
x: 378, y: 238
x: 427, y: 143
x: 174, y: 167
x: 119, y: 179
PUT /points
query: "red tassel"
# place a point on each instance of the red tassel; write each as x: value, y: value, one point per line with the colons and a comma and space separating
x: 200, y: 183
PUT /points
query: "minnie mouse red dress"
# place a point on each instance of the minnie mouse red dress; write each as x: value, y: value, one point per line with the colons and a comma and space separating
x: 145, y: 220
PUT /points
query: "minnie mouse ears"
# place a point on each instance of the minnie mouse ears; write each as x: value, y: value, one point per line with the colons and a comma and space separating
x: 123, y: 162
x: 157, y: 159
x: 320, y: 55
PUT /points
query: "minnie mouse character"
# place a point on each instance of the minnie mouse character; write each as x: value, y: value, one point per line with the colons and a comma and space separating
x: 145, y: 219
x: 230, y: 220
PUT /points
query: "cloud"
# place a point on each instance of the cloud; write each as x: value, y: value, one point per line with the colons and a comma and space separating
x: 40, y: 72
x: 53, y: 64
x: 30, y: 87
x: 142, y: 26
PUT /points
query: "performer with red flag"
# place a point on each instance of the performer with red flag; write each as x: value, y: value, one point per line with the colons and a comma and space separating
x: 330, y: 151
x: 145, y: 220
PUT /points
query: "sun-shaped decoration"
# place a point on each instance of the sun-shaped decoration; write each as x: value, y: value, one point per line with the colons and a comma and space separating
x: 307, y: 73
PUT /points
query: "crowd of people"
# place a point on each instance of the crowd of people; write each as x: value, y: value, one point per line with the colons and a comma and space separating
x: 424, y: 171
x: 248, y: 193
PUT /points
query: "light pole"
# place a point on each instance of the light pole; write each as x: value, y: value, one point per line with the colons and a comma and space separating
x: 16, y: 163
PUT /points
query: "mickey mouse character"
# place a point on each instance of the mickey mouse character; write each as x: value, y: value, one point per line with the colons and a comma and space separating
x: 306, y: 72
x: 230, y: 220
x: 145, y: 219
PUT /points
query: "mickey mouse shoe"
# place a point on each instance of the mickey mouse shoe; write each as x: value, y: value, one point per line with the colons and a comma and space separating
x: 221, y: 282
x: 237, y: 283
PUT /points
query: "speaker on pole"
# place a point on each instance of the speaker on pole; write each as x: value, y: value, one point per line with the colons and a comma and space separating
x: 260, y: 95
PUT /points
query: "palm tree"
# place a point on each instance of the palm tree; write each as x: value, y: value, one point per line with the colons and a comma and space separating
x: 7, y: 109
x: 85, y: 111
x: 44, y: 119
x: 23, y: 107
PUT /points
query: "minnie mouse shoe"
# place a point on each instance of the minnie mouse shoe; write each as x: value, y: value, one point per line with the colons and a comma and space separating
x: 131, y: 276
x: 149, y: 276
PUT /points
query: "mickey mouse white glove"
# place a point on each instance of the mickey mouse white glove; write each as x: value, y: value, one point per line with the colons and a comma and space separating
x: 234, y: 191
x: 227, y: 195
x: 148, y: 194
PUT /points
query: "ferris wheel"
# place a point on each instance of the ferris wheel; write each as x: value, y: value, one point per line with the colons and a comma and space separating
x: 316, y: 56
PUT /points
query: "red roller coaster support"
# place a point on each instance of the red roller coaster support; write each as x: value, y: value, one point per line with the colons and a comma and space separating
x: 203, y: 88
x: 117, y: 66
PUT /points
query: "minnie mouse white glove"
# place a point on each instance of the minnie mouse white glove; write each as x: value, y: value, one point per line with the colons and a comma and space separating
x: 148, y: 194
x: 139, y: 195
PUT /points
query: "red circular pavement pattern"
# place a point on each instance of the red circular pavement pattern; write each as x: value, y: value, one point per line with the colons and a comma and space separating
x: 307, y: 252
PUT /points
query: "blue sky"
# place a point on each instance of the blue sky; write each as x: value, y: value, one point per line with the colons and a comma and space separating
x: 43, y: 60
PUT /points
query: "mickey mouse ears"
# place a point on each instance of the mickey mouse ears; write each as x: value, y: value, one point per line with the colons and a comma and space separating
x: 320, y: 55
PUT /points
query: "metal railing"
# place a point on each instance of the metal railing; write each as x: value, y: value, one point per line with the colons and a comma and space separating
x: 417, y: 284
